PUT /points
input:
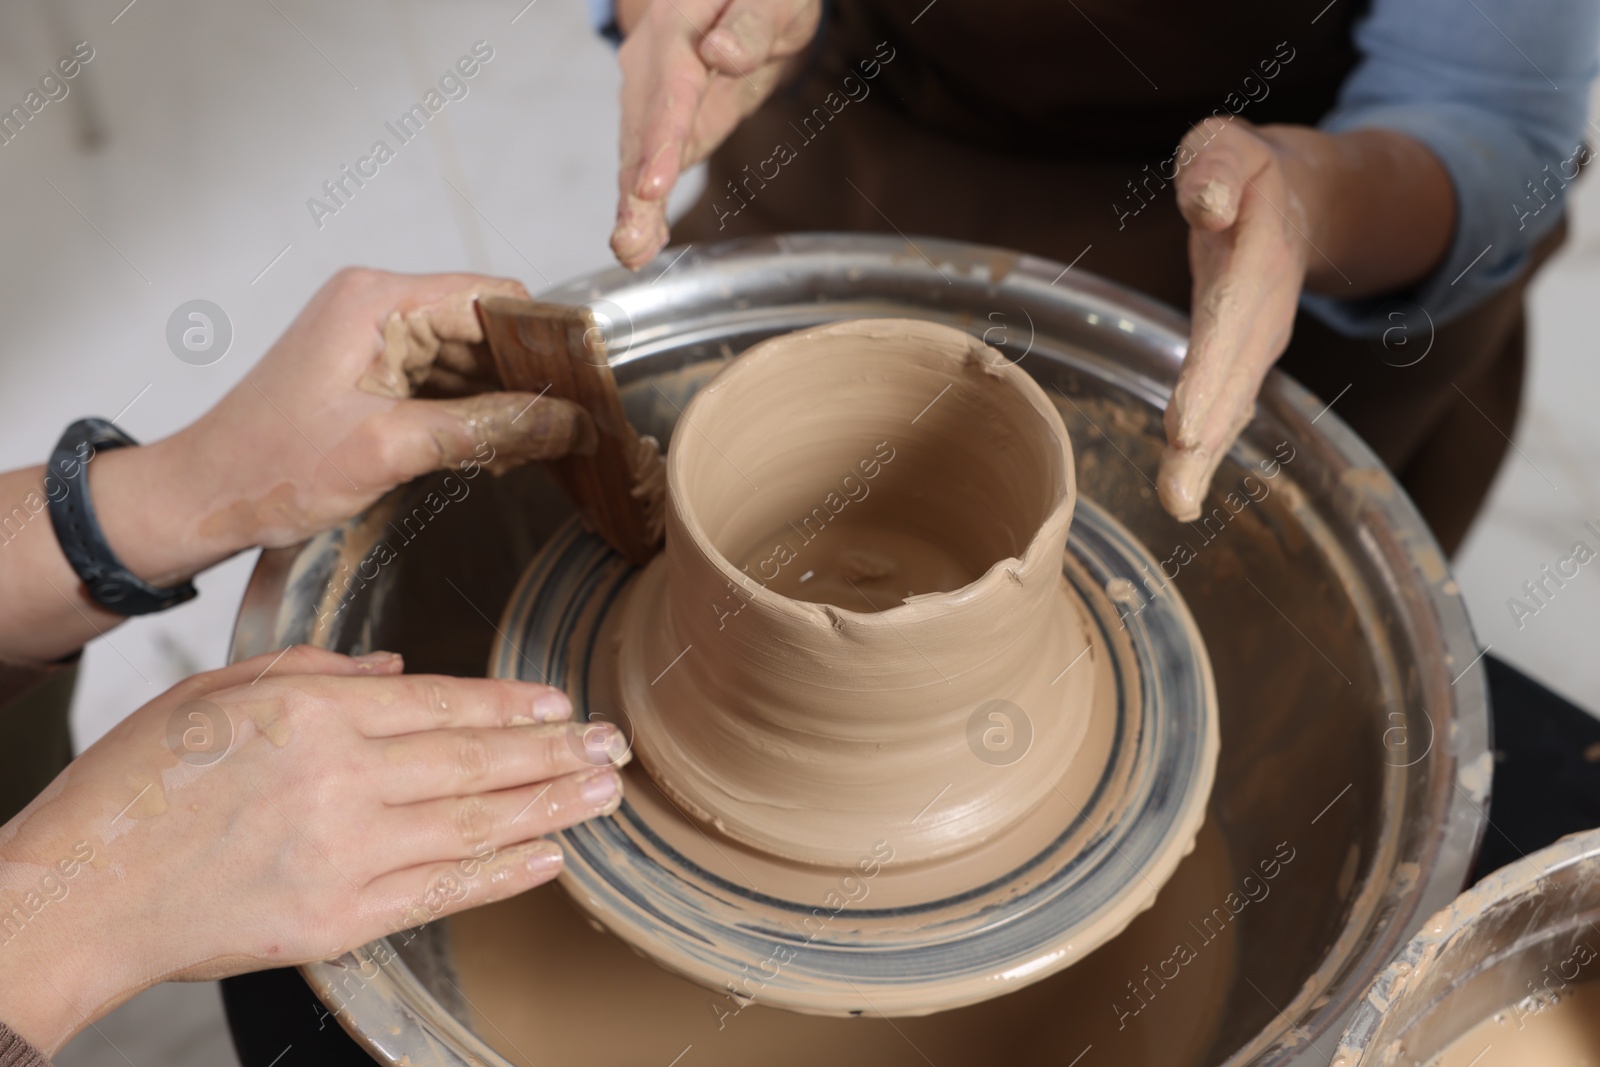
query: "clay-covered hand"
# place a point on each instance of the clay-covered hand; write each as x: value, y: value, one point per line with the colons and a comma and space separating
x: 279, y: 811
x: 691, y: 70
x: 382, y: 377
x: 1272, y: 210
x: 1247, y: 254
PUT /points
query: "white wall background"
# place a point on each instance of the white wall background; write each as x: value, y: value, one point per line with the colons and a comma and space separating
x: 179, y: 166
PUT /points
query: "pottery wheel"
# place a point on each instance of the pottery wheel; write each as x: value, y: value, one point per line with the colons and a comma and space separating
x: 883, y: 937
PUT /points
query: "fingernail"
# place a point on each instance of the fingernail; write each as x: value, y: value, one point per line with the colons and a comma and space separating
x: 655, y: 177
x: 378, y: 659
x: 598, y: 789
x: 553, y: 706
x: 542, y: 857
x: 1216, y: 200
x: 1215, y: 197
x: 724, y: 43
x: 604, y: 742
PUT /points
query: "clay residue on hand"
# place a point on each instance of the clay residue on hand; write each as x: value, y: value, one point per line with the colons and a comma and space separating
x: 442, y: 341
x: 517, y: 427
x: 1213, y: 401
x: 640, y: 231
x: 1216, y: 200
x: 276, y: 517
x: 271, y: 721
x: 148, y: 797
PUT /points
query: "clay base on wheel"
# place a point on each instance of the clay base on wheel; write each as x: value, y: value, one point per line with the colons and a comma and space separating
x: 533, y: 970
x: 883, y: 936
x: 1096, y: 776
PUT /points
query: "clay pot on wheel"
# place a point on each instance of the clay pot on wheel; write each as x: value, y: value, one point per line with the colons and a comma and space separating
x: 863, y: 552
x: 872, y: 670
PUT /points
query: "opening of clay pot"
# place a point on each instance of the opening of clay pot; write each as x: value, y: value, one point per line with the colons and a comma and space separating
x: 842, y: 468
x: 865, y: 527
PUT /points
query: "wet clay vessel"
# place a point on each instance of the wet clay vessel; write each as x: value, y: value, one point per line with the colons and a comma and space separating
x: 898, y: 750
x: 908, y: 491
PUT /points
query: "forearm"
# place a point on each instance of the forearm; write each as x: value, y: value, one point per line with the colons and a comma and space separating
x: 59, y: 961
x: 141, y: 502
x: 629, y: 12
x: 1377, y: 207
x: 47, y: 996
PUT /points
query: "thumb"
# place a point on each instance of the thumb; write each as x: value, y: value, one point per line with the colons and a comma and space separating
x: 751, y: 33
x: 1215, y: 168
x: 499, y: 431
x: 742, y: 39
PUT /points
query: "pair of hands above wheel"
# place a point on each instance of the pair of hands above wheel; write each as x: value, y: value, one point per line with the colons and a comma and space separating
x: 1259, y: 201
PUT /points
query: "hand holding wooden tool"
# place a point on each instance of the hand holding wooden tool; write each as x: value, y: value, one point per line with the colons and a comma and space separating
x: 559, y: 350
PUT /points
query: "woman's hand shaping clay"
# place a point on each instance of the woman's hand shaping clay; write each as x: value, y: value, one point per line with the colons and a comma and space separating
x: 691, y: 70
x: 1247, y: 255
x: 326, y: 422
x: 383, y: 377
x: 1272, y: 210
x: 282, y: 810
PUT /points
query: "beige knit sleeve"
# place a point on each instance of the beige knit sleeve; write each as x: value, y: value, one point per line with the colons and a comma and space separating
x: 15, y: 1052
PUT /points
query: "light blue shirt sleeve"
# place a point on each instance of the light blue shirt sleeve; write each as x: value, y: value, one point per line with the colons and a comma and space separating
x: 603, y: 18
x: 1498, y: 90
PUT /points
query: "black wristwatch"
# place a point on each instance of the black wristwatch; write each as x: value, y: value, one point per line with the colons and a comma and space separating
x: 66, y: 487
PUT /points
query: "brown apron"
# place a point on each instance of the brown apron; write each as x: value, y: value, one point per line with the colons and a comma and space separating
x: 1049, y: 128
x: 35, y: 734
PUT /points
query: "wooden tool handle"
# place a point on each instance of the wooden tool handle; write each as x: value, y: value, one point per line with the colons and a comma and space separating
x: 559, y: 350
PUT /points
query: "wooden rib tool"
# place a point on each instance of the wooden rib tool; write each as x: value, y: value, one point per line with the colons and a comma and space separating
x: 559, y: 350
